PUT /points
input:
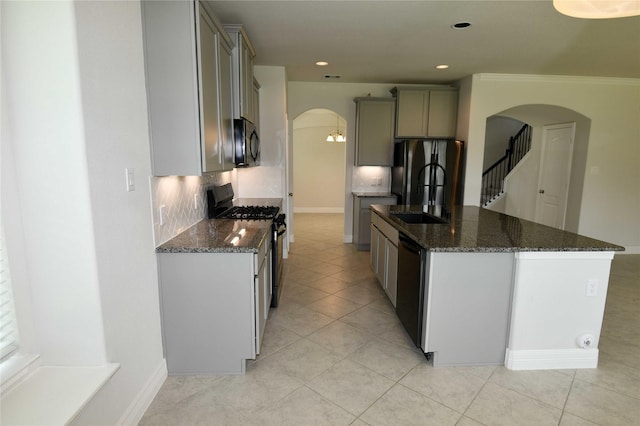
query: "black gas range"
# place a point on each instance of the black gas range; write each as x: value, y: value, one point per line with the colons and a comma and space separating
x: 250, y: 213
x: 220, y: 206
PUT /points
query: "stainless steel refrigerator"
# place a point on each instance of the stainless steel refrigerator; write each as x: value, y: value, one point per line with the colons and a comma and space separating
x: 429, y: 173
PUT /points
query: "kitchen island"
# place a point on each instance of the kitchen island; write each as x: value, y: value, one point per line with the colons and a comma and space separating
x: 496, y: 289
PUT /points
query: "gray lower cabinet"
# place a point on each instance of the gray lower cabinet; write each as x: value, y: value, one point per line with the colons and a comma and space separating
x: 384, y: 256
x: 467, y: 311
x: 362, y: 217
x: 214, y: 308
x: 376, y: 253
x: 263, y: 290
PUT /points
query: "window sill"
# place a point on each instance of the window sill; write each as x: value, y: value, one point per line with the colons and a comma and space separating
x: 53, y: 395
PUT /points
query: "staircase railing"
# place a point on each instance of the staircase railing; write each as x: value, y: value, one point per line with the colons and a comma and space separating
x: 493, y: 177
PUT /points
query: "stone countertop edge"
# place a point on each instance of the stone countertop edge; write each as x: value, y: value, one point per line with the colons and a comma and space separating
x: 475, y: 229
x: 362, y: 194
x: 215, y: 235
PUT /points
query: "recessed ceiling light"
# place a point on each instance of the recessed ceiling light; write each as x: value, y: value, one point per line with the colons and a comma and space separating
x: 461, y: 25
x: 441, y: 67
x: 322, y: 63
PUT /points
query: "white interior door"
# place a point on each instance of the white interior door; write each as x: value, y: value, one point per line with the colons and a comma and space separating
x: 555, y: 172
x: 288, y: 194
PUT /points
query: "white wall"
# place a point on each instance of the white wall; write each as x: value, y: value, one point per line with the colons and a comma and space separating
x: 51, y: 182
x: 338, y: 97
x: 543, y: 333
x: 109, y: 37
x: 268, y: 180
x: 521, y: 189
x: 499, y: 130
x: 77, y: 111
x: 318, y: 165
x: 522, y: 183
x: 610, y: 201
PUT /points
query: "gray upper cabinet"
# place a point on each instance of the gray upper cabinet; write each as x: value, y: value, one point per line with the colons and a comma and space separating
x: 243, y: 54
x: 374, y: 131
x: 425, y: 112
x: 226, y: 105
x: 256, y: 104
x: 186, y: 50
x: 208, y: 37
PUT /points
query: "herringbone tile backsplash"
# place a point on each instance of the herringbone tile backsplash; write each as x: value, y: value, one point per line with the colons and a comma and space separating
x: 182, y: 208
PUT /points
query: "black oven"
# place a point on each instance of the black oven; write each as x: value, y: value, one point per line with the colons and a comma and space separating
x: 220, y: 206
x: 278, y: 227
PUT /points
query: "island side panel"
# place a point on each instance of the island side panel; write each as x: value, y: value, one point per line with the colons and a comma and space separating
x: 207, y: 308
x: 559, y: 297
x: 468, y: 307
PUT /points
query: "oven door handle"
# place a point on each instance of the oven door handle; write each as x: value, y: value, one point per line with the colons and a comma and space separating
x: 280, y: 224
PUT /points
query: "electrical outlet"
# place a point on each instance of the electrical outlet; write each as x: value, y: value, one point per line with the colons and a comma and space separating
x: 592, y: 287
x: 161, y: 213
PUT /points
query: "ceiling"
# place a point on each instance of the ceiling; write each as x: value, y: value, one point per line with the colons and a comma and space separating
x: 401, y: 41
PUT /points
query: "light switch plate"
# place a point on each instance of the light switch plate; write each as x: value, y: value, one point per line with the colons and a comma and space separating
x: 130, y: 178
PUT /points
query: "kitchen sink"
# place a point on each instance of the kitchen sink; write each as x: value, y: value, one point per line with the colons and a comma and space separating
x: 418, y: 217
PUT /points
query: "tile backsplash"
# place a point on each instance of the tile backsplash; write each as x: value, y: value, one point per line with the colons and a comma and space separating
x: 182, y: 200
x: 371, y: 179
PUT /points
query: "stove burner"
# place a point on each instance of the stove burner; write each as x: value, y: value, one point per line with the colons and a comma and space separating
x: 250, y: 213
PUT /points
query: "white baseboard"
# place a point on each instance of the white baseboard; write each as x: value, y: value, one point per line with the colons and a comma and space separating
x: 318, y: 209
x: 141, y: 403
x: 551, y: 359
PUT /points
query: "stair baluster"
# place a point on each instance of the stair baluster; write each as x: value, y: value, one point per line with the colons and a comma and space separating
x: 493, y: 177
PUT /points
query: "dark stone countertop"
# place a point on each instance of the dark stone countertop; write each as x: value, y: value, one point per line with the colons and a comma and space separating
x: 474, y: 229
x: 363, y: 194
x: 216, y: 235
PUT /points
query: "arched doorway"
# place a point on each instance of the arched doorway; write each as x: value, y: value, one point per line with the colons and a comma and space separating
x: 523, y: 197
x: 318, y: 164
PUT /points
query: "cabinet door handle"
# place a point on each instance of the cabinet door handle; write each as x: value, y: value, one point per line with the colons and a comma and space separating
x: 541, y: 191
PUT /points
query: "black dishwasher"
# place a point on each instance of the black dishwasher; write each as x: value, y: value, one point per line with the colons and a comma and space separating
x: 410, y: 297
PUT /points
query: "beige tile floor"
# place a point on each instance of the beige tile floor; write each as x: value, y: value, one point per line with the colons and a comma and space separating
x: 334, y: 353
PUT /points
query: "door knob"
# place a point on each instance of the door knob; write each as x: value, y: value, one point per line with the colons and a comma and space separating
x: 541, y: 191
x: 291, y: 194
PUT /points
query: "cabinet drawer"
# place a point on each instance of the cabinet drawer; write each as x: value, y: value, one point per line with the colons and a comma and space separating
x: 385, y: 228
x: 262, y: 252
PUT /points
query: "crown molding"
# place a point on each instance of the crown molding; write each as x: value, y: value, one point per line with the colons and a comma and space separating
x: 557, y: 79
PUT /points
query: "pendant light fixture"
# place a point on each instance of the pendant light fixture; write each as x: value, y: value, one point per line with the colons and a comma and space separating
x: 336, y: 135
x: 598, y: 9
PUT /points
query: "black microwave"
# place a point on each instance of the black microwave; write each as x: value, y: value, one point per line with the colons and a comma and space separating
x: 247, y: 143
